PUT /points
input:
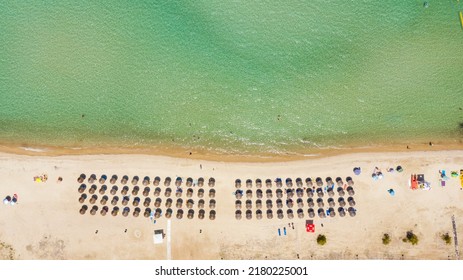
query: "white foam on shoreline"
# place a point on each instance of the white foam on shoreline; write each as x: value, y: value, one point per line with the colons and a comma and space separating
x: 36, y: 150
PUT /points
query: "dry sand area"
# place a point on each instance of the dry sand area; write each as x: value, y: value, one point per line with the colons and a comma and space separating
x: 46, y: 223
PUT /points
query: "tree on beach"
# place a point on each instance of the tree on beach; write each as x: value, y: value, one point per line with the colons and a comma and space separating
x: 386, y: 239
x: 411, y: 237
x: 446, y: 237
x: 321, y: 239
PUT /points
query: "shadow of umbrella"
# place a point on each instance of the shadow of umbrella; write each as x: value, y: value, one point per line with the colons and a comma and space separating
x: 258, y: 183
x: 212, y: 214
x: 157, y: 181
x: 350, y: 191
x: 113, y: 190
x: 237, y: 183
x: 200, y: 182
x: 103, y: 189
x: 201, y: 214
x: 331, y: 202
x: 310, y: 202
x: 238, y: 194
x: 321, y: 213
x: 309, y: 192
x: 167, y: 181
x: 147, y: 202
x: 135, y: 190
x: 92, y: 179
x: 82, y: 198
x: 280, y: 214
x: 238, y: 204
x: 178, y: 192
x: 279, y: 193
x: 308, y: 182
x: 168, y: 192
x: 332, y: 212
x: 178, y: 182
x: 279, y: 203
x: 299, y: 192
x: 104, y: 210
x: 259, y: 194
x: 289, y: 182
x: 157, y: 191
x: 157, y: 202
x: 248, y: 214
x: 211, y: 193
x: 351, y: 201
x: 201, y: 203
x: 268, y: 183
x: 211, y: 182
x: 289, y: 193
x: 135, y: 180
x: 157, y: 213
x: 136, y: 201
x: 320, y: 203
x: 340, y: 191
x: 81, y: 188
x: 269, y: 214
x: 114, y: 200
x: 115, y: 211
x: 147, y: 212
x: 349, y: 181
x: 201, y: 193
x: 352, y: 211
x: 189, y: 182
x: 81, y: 178
x: 259, y: 214
x: 83, y: 209
x: 102, y: 179
x: 341, y: 211
x: 146, y: 181
x: 238, y: 214
x: 299, y: 182
x: 248, y: 183
x: 113, y: 179
x: 300, y: 213
x: 290, y: 214
x: 289, y: 203
x: 124, y: 180
x: 125, y: 211
x: 320, y: 192
x: 179, y: 203
x: 278, y: 182
x: 168, y: 203
x: 339, y: 182
x: 169, y: 213
x: 189, y: 203
x: 212, y: 204
x: 146, y: 191
x: 104, y: 199
x: 319, y: 182
x: 248, y: 194
x: 300, y: 203
x: 136, y: 212
x: 341, y: 202
x: 258, y: 204
x: 93, y: 199
x: 329, y: 181
x: 268, y: 193
x: 311, y: 213
x: 191, y: 214
x: 125, y: 190
x: 330, y: 192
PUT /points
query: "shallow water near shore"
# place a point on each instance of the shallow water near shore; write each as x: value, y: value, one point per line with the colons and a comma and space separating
x: 230, y: 77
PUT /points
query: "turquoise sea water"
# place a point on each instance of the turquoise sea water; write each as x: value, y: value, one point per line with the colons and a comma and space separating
x: 230, y: 76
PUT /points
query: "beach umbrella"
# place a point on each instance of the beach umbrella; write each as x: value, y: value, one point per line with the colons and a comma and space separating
x: 289, y: 193
x: 269, y: 203
x: 289, y: 203
x: 124, y: 179
x: 289, y: 182
x: 330, y: 192
x: 248, y: 183
x: 147, y: 212
x: 290, y: 213
x: 258, y: 183
x: 268, y: 183
x: 212, y: 203
x: 308, y: 182
x: 248, y: 204
x: 212, y: 215
x: 340, y: 191
x: 126, y: 211
x: 179, y: 203
x: 237, y: 183
x: 331, y: 202
x: 320, y: 192
x: 299, y: 182
x: 81, y: 178
x: 258, y: 204
x: 167, y: 192
x: 178, y: 192
x: 189, y: 192
x: 168, y: 213
x: 167, y: 181
x: 168, y: 203
x: 357, y: 170
x: 269, y: 193
x: 113, y: 179
x: 399, y: 169
x: 329, y: 181
x: 300, y: 213
x: 156, y: 181
x: 114, y: 200
x: 211, y: 182
x: 238, y: 204
x: 179, y: 214
x: 92, y: 179
x: 178, y: 182
x: 299, y: 192
x: 350, y: 191
x: 93, y: 199
x: 104, y: 210
x: 331, y: 212
x: 320, y: 203
x: 81, y: 188
x: 200, y: 193
x: 135, y: 180
x: 239, y: 194
x: 351, y: 201
x: 102, y: 179
x: 279, y: 203
x: 339, y: 182
x: 259, y: 193
x: 201, y: 214
x: 321, y: 213
x: 147, y: 202
x: 280, y: 214
x: 157, y: 191
x: 146, y: 181
x: 300, y: 203
x: 146, y: 191
x: 136, y: 212
x: 248, y: 194
x: 157, y: 213
x: 278, y: 182
x: 269, y: 214
x: 200, y: 181
x: 211, y: 193
x: 341, y: 211
x: 249, y: 214
x: 82, y: 199
x: 310, y: 202
x: 191, y: 214
x: 189, y: 182
x: 352, y: 211
x: 311, y: 212
x: 157, y: 202
x: 104, y: 199
x: 124, y: 190
x: 136, y: 201
x: 189, y: 203
x: 349, y: 181
x: 259, y: 214
x: 103, y: 189
x: 115, y: 211
x: 238, y: 214
x: 391, y: 192
x: 319, y: 182
x: 113, y: 190
x: 309, y: 192
x: 135, y: 190
x: 341, y: 202
x: 279, y: 193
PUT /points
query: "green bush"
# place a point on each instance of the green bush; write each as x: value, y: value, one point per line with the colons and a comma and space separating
x: 321, y: 239
x: 446, y: 237
x: 411, y: 237
x: 386, y: 239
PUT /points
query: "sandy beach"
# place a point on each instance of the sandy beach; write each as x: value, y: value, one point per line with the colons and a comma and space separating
x: 46, y: 224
